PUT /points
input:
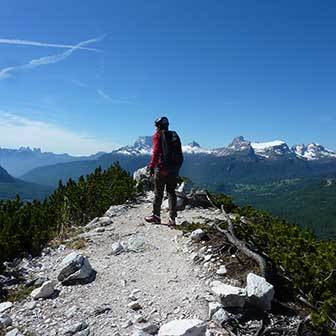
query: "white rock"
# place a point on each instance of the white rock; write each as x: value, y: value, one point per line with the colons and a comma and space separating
x: 99, y: 229
x: 117, y: 248
x: 220, y: 316
x: 104, y: 221
x: 5, y: 306
x: 14, y: 332
x: 198, y: 235
x: 228, y: 296
x: 45, y: 291
x: 260, y: 292
x: 139, y: 319
x: 207, y: 257
x: 183, y: 328
x: 222, y: 270
x: 180, y: 204
x: 75, y: 269
x: 213, y: 307
x: 134, y: 305
x: 30, y: 305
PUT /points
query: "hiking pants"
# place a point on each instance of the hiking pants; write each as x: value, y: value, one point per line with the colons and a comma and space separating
x: 160, y: 182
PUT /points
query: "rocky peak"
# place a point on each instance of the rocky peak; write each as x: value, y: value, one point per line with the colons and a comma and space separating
x: 239, y: 143
x: 194, y: 144
x: 143, y: 142
x: 272, y: 149
x: 313, y: 151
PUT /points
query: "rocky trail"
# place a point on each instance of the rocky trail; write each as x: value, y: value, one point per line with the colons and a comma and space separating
x: 145, y: 280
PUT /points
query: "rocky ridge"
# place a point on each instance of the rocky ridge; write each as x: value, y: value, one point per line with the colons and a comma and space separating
x: 138, y: 279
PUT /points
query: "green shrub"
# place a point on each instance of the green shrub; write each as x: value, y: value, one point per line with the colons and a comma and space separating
x: 27, y: 227
x: 309, y: 262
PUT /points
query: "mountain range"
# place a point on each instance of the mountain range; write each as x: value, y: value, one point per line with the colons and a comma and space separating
x: 19, y: 161
x: 286, y: 180
x: 10, y: 187
x: 241, y: 161
x: 270, y: 150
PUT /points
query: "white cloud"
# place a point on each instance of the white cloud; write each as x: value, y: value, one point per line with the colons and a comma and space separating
x: 17, y: 131
x: 113, y: 100
x: 42, y: 44
x: 6, y: 72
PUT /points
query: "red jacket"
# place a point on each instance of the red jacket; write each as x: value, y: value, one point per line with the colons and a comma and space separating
x: 157, y: 152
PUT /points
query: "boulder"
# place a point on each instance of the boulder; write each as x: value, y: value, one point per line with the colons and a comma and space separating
x: 227, y: 295
x: 183, y: 328
x: 198, y: 235
x: 105, y: 221
x: 5, y: 306
x: 220, y: 316
x: 199, y: 198
x: 14, y: 332
x: 5, y: 321
x: 135, y: 305
x: 143, y: 179
x: 222, y: 270
x: 44, y: 292
x: 260, y: 292
x: 117, y: 248
x: 76, y: 269
x: 213, y: 307
x: 180, y: 204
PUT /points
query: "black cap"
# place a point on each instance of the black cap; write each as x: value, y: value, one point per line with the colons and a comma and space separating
x: 162, y: 123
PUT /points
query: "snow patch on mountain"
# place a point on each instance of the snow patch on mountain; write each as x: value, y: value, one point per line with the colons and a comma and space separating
x: 270, y: 150
x: 258, y: 146
x: 195, y: 148
x: 313, y: 151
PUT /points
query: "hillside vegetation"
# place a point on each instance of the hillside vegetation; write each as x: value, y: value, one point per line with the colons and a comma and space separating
x: 303, y: 266
x: 25, y: 227
x: 309, y: 203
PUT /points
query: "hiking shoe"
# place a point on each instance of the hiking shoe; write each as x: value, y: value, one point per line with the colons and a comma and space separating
x: 171, y: 222
x: 153, y: 219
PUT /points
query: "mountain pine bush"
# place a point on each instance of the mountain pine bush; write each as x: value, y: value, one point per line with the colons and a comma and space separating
x: 27, y: 227
x: 309, y: 263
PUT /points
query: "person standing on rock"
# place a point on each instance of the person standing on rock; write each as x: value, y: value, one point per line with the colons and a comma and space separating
x: 166, y: 161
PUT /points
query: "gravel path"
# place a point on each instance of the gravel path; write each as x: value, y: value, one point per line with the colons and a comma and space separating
x: 161, y: 277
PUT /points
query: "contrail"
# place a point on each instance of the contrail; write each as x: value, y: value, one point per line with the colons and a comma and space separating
x: 6, y: 72
x: 42, y: 44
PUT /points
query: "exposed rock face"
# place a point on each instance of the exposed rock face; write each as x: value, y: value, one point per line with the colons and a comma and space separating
x: 260, y: 292
x: 142, y: 177
x: 76, y: 269
x: 43, y: 292
x: 183, y: 328
x: 229, y: 296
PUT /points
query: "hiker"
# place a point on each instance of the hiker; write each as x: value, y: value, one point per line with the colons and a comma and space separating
x: 165, y: 164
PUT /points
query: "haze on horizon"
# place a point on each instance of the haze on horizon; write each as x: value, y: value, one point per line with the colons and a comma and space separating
x: 84, y: 78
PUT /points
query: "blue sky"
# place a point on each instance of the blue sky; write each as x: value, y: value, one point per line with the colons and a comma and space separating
x: 217, y: 69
